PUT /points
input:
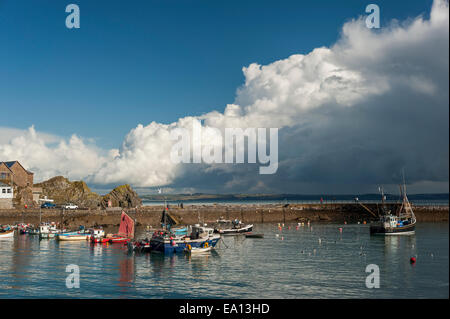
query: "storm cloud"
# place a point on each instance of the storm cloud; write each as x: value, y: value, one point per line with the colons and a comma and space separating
x: 350, y: 117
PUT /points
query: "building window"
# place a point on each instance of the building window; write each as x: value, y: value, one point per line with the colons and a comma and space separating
x: 9, y: 190
x: 2, y: 175
x: 3, y: 190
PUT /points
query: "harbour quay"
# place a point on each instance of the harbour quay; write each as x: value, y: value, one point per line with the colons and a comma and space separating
x: 191, y: 214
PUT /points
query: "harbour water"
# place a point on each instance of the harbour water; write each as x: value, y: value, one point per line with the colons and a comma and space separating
x: 308, y: 262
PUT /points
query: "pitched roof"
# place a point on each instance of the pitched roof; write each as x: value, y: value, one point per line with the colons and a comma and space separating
x: 11, y: 163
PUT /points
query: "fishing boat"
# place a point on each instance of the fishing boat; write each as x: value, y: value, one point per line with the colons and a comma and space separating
x: 166, y: 242
x: 47, y: 231
x: 126, y: 230
x: 6, y: 233
x: 401, y: 222
x: 228, y: 227
x: 98, y: 236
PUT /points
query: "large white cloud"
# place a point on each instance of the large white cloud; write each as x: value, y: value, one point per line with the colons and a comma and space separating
x: 364, y: 107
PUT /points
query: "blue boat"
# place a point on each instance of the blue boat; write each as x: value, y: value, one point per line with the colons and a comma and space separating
x: 167, y: 242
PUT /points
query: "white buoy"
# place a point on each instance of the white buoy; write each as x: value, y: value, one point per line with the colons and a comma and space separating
x: 276, y: 235
x: 320, y: 241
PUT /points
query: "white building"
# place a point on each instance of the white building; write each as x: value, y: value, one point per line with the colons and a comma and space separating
x: 6, y: 196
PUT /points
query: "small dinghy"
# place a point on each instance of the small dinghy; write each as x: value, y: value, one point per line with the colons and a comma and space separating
x: 252, y: 235
x: 77, y: 237
x: 7, y: 233
x: 197, y: 250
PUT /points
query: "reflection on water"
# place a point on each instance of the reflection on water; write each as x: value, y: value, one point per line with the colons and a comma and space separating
x: 304, y: 262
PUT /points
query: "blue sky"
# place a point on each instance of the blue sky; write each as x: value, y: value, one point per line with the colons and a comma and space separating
x: 140, y: 61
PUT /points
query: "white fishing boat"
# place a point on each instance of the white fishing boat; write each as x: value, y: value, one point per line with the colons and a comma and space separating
x: 401, y: 222
x: 47, y: 231
x: 228, y: 227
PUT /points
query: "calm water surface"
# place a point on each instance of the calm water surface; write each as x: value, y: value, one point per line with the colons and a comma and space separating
x: 293, y: 264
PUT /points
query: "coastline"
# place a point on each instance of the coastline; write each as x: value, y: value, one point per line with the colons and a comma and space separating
x: 191, y: 214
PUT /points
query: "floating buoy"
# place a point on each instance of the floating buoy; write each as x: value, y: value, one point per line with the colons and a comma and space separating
x: 276, y: 235
x: 320, y: 241
x: 345, y: 223
x: 358, y: 223
x: 282, y: 238
x: 296, y: 227
x: 412, y: 260
x: 340, y: 229
x: 289, y: 227
x: 364, y: 222
x: 283, y: 225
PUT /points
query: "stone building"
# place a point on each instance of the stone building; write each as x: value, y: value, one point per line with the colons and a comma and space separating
x: 14, y: 173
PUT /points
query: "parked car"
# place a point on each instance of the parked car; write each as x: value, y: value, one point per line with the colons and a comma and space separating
x: 48, y: 205
x: 70, y: 206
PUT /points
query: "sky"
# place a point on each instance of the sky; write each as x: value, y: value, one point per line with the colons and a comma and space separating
x: 97, y: 103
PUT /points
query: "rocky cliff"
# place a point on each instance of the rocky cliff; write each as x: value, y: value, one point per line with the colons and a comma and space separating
x: 122, y: 196
x: 62, y: 191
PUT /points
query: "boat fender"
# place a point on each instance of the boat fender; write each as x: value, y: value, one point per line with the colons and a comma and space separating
x: 206, y: 245
x: 189, y: 247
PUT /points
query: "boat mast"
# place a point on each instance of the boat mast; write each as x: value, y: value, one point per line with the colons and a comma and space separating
x: 380, y: 189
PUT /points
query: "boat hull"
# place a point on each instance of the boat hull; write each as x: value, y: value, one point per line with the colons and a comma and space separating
x: 231, y: 231
x: 380, y: 230
x: 7, y: 234
x: 100, y: 240
x: 72, y: 237
x: 119, y: 240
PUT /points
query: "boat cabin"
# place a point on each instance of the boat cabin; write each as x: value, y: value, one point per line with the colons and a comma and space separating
x: 201, y: 232
x: 97, y: 232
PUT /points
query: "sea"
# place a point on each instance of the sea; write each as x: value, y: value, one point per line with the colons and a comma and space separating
x: 318, y: 261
